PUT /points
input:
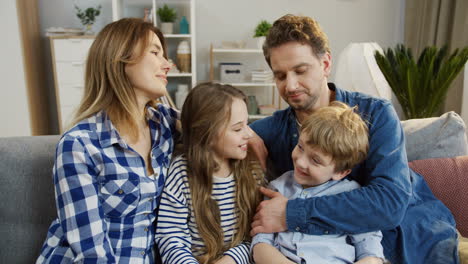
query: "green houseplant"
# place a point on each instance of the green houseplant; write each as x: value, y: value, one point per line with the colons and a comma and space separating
x: 421, y: 86
x: 88, y: 16
x: 167, y: 15
x: 261, y: 30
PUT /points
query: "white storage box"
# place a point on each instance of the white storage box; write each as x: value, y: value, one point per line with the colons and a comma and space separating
x: 231, y: 72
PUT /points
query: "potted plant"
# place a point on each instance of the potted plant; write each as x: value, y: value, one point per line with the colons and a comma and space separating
x: 421, y: 86
x: 261, y: 31
x: 88, y: 17
x: 167, y: 16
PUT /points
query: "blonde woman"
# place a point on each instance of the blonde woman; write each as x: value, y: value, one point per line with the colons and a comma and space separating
x: 211, y: 192
x: 111, y: 165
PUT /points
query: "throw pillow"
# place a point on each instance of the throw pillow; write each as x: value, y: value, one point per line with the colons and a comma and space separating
x: 447, y: 178
x: 435, y: 137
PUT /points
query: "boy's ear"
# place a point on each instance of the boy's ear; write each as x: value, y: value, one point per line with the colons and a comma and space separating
x: 340, y: 175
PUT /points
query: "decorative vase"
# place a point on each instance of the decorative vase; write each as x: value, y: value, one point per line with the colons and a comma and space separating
x: 88, y: 29
x: 183, y: 26
x: 184, y: 56
x: 252, y: 105
x: 260, y: 41
x: 167, y: 27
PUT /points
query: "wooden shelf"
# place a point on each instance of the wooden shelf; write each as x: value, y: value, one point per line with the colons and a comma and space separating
x: 257, y: 116
x: 237, y: 50
x: 250, y: 84
x: 183, y: 74
x: 178, y: 36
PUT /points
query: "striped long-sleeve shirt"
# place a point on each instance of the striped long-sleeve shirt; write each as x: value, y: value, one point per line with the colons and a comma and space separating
x: 177, y: 234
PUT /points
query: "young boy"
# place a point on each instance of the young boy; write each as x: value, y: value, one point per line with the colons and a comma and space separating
x: 332, y: 141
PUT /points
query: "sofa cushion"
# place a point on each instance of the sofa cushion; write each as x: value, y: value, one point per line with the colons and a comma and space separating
x: 27, y: 203
x: 448, y: 178
x: 436, y: 137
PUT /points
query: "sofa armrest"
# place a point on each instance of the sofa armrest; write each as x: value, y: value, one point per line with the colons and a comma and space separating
x: 447, y: 178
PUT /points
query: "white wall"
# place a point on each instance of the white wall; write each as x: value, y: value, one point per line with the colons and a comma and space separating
x: 14, y: 112
x: 344, y: 21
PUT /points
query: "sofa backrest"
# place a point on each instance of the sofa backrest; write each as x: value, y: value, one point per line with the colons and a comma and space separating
x: 435, y: 137
x: 27, y: 203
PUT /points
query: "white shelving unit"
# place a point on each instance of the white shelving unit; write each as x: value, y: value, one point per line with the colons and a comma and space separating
x: 215, y: 51
x: 135, y: 8
x: 68, y: 62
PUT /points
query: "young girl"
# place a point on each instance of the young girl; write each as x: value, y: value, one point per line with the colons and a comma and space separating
x: 211, y: 192
x: 110, y: 166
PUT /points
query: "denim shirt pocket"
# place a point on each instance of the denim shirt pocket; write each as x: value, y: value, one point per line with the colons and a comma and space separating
x: 120, y: 197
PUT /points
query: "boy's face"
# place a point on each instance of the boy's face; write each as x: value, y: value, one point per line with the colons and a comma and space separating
x: 312, y: 167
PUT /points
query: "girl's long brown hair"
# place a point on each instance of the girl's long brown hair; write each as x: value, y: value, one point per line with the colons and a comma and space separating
x: 107, y: 86
x: 206, y: 111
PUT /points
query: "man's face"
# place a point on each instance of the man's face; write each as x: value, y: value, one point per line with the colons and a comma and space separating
x: 301, y: 77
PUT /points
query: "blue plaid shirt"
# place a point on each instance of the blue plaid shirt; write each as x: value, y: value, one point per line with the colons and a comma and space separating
x: 106, y: 201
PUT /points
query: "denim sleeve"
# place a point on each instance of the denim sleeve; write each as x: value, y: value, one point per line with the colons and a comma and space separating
x: 79, y: 208
x: 382, y: 201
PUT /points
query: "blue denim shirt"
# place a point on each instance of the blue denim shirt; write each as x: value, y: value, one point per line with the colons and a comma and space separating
x: 325, y: 248
x: 417, y: 228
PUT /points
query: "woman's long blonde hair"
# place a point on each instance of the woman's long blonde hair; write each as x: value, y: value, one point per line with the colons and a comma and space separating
x: 107, y: 86
x: 206, y: 112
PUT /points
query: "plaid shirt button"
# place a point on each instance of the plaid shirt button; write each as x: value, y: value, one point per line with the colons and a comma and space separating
x: 142, y: 253
x: 121, y: 191
x: 146, y: 229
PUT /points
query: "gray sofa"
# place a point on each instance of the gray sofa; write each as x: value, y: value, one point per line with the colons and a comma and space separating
x: 27, y: 204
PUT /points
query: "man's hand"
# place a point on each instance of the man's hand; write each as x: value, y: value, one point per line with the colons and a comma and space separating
x: 258, y: 147
x: 271, y: 214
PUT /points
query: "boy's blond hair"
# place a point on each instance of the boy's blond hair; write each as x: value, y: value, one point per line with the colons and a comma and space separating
x: 339, y: 132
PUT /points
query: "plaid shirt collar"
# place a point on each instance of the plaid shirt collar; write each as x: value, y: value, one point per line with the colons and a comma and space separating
x: 108, y: 134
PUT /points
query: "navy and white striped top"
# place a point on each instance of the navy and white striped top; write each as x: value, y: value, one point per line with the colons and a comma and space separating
x: 177, y: 234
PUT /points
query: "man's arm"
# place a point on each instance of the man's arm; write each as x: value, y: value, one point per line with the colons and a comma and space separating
x: 382, y: 201
x: 264, y: 253
x: 384, y: 197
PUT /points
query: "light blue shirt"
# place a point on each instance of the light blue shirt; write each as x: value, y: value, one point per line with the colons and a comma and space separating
x: 326, y: 248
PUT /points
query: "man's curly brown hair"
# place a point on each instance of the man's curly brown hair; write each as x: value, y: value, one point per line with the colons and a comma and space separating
x: 291, y: 28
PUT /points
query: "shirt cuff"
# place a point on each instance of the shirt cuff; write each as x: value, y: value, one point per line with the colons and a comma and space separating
x: 240, y: 253
x: 262, y: 238
x: 296, y: 216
